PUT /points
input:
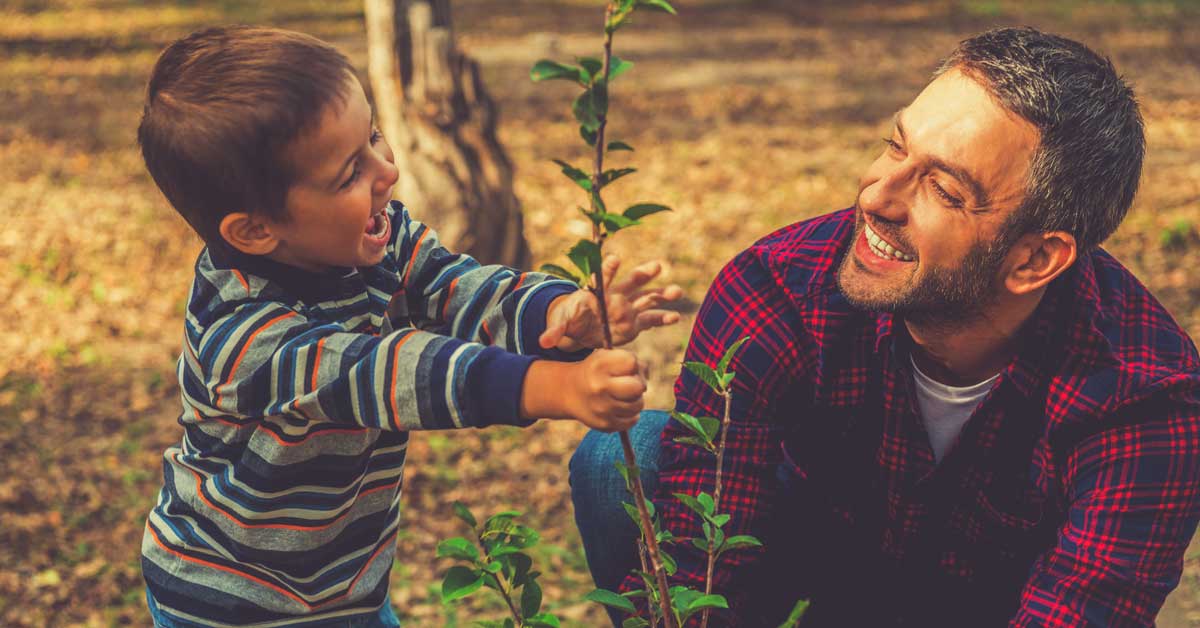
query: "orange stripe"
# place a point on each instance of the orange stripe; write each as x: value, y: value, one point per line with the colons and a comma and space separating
x: 242, y: 353
x: 487, y: 333
x: 413, y: 258
x: 391, y: 392
x: 242, y: 278
x: 384, y: 543
x: 316, y: 365
x: 520, y: 280
x: 274, y: 526
x: 449, y: 294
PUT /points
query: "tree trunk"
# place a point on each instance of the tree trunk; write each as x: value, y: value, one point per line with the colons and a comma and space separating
x: 431, y: 105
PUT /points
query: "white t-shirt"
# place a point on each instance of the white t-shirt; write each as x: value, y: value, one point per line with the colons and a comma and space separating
x: 945, y: 409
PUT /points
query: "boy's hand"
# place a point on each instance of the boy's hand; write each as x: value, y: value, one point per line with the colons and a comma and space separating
x: 573, y: 320
x: 604, y: 391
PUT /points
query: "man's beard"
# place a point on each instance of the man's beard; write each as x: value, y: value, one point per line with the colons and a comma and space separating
x: 938, y: 297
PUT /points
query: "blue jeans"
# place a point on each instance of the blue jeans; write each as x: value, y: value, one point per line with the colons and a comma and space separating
x: 597, y: 489
x: 386, y: 618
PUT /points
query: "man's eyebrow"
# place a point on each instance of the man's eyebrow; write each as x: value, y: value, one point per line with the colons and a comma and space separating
x: 977, y: 189
x: 338, y: 177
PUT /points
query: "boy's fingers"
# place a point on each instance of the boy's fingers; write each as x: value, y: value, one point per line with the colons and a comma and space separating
x: 609, y: 269
x: 620, y: 362
x: 640, y: 276
x: 628, y: 388
x: 656, y: 318
x: 651, y: 298
x: 552, y: 335
x: 627, y: 408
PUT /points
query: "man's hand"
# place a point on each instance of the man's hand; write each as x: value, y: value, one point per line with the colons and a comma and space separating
x: 604, y: 391
x: 573, y: 320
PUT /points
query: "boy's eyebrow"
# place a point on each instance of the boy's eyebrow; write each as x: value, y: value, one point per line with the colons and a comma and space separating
x: 338, y: 177
x: 977, y: 190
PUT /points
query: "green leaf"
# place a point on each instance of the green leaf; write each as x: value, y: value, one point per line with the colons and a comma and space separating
x: 726, y: 380
x: 586, y: 257
x: 580, y: 177
x: 723, y: 365
x: 641, y: 210
x: 585, y: 112
x: 706, y: 500
x: 796, y: 615
x: 700, y: 544
x: 542, y: 620
x: 649, y: 507
x: 546, y: 70
x: 517, y: 568
x: 608, y: 176
x: 464, y: 513
x: 559, y: 271
x: 691, y: 502
x: 616, y: 145
x: 617, y: 67
x: 624, y: 470
x: 634, y: 622
x: 460, y: 582
x: 600, y: 98
x: 719, y: 520
x: 703, y: 427
x: 669, y: 564
x: 608, y: 598
x: 616, y: 222
x: 598, y: 202
x: 705, y: 373
x: 665, y: 536
x: 531, y: 599
x: 697, y: 442
x: 707, y: 601
x: 459, y: 548
x: 657, y: 5
x: 493, y: 567
x: 740, y: 541
x: 591, y: 67
x: 588, y: 136
x: 632, y: 511
x: 508, y: 623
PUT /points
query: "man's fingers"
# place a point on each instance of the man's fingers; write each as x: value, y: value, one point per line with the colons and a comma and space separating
x: 656, y: 318
x: 640, y: 276
x: 647, y: 299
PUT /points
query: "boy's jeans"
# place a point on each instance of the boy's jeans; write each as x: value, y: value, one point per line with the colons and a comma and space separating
x: 385, y: 619
x: 597, y: 489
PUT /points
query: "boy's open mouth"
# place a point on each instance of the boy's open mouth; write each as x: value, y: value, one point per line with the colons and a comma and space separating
x: 377, y: 226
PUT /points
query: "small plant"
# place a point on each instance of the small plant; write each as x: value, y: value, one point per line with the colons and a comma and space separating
x: 590, y: 109
x: 495, y: 558
x: 1177, y: 235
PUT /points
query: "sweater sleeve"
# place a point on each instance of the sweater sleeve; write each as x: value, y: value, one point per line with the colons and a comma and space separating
x: 265, y: 359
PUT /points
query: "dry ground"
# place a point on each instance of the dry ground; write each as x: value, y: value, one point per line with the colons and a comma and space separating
x: 746, y: 115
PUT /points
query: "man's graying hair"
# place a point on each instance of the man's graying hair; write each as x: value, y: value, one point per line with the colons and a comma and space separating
x: 1084, y: 172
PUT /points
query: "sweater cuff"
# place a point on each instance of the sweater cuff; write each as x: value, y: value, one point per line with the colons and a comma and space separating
x: 494, y: 386
x: 533, y: 322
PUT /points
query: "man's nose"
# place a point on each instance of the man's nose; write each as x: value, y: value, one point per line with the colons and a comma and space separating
x: 888, y: 197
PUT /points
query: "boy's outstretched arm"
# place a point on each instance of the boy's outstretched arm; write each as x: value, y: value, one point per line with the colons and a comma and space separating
x: 573, y: 320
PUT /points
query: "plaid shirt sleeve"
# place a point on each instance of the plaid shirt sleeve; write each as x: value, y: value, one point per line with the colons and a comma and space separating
x: 1134, y: 494
x: 746, y: 299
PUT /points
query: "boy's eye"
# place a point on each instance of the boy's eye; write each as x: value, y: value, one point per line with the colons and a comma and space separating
x: 375, y: 136
x: 351, y: 179
x: 892, y: 144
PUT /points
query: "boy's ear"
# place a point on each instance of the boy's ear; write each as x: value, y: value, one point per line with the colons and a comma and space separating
x: 248, y: 233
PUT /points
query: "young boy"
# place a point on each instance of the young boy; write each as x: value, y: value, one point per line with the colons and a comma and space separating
x: 323, y: 324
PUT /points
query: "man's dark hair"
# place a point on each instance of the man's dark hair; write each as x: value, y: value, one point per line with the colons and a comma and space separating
x: 1085, y: 170
x: 222, y: 105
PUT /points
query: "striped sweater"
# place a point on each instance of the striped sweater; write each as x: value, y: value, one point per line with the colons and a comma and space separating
x: 280, y: 505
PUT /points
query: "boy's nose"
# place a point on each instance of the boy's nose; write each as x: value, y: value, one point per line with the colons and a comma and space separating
x: 388, y: 175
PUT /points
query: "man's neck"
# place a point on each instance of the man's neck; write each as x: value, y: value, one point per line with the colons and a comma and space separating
x: 971, y: 352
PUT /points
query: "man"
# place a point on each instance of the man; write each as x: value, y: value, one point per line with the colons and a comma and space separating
x: 954, y: 409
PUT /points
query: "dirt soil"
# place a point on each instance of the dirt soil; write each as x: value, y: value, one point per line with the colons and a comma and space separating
x: 746, y: 115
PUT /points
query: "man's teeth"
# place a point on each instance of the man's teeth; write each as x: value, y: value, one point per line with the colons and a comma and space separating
x: 882, y: 248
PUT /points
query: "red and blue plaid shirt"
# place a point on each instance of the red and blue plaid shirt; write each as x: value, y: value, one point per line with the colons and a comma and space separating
x: 1068, y: 499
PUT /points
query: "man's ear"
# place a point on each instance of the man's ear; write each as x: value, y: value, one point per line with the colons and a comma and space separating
x: 1037, y: 258
x: 248, y: 233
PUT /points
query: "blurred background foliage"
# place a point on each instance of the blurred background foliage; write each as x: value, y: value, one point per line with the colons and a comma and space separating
x: 747, y: 115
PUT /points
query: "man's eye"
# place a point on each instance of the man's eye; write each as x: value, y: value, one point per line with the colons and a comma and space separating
x: 950, y: 200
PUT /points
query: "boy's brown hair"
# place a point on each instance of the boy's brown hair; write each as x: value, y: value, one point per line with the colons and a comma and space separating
x: 222, y: 105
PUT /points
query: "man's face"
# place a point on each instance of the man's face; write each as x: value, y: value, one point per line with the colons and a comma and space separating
x: 930, y: 207
x: 335, y: 208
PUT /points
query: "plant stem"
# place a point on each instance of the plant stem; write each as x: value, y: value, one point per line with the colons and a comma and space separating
x: 712, y: 551
x: 639, y: 495
x: 505, y: 591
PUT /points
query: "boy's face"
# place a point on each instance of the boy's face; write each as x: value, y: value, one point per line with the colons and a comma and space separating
x: 344, y: 177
